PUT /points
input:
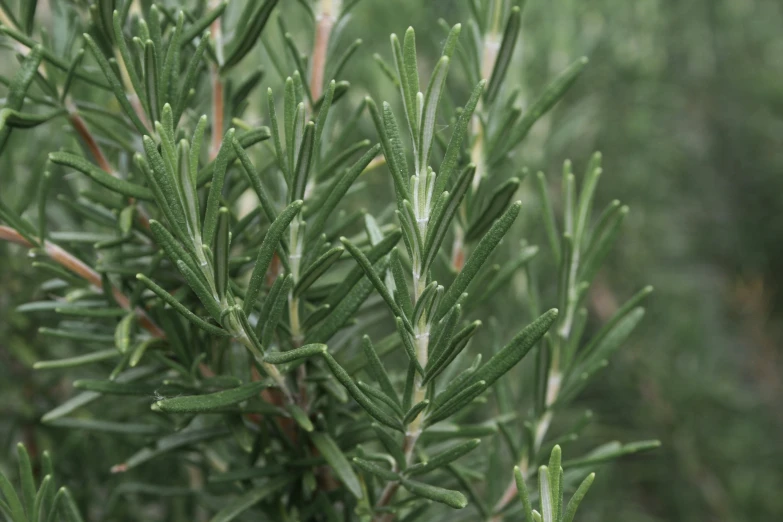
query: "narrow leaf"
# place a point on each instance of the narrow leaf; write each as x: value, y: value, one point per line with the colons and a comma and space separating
x: 216, y: 190
x: 296, y: 354
x: 345, y: 379
x: 579, y: 495
x: 437, y: 230
x: 456, y: 403
x: 515, y: 350
x: 503, y: 60
x: 267, y: 250
x: 211, y: 401
x: 476, y: 260
x: 430, y: 111
x: 497, y: 204
x: 337, y: 460
x: 451, y: 498
x: 380, y: 286
x: 551, y: 95
x: 337, y: 191
x: 376, y: 368
x: 316, y: 269
x: 251, y: 498
x: 375, y: 469
x: 243, y: 42
x: 445, y: 457
x: 454, y: 148
x: 121, y: 186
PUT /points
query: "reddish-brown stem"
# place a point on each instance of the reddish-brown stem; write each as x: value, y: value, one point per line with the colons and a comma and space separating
x: 508, y: 496
x: 78, y: 267
x: 84, y: 133
x: 323, y: 28
x: 80, y: 126
x: 218, y: 111
x: 391, y: 487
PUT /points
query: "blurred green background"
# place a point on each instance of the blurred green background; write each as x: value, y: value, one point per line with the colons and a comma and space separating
x: 685, y: 100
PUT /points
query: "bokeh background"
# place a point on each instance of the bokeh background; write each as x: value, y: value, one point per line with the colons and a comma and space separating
x: 685, y: 101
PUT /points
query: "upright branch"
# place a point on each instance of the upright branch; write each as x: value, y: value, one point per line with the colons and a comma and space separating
x: 218, y: 96
x: 427, y: 320
x: 325, y: 18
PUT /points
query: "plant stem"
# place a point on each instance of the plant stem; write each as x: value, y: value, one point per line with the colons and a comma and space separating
x: 81, y: 129
x: 414, y: 429
x: 324, y: 21
x: 218, y: 110
x: 296, y: 244
x: 491, y: 46
x: 78, y: 267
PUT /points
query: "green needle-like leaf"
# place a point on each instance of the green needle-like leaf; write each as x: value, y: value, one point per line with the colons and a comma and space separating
x: 250, y: 499
x: 579, y: 495
x: 380, y: 286
x: 550, y: 225
x: 221, y: 253
x: 396, y: 150
x: 445, y: 457
x: 336, y: 193
x: 375, y: 469
x: 211, y: 401
x: 303, y: 163
x: 25, y: 120
x: 378, y: 371
x: 199, y: 26
x: 523, y: 494
x: 216, y: 190
x: 130, y: 64
x: 120, y: 186
x: 115, y: 84
x: 330, y: 451
x: 68, y: 505
x: 454, y: 148
x: 274, y: 307
x: 317, y: 269
x: 346, y: 380
x: 26, y: 478
x: 444, y: 357
x: 430, y: 111
x: 123, y: 333
x: 554, y: 481
x: 267, y: 250
x: 503, y: 60
x: 309, y: 350
x: 498, y: 203
x: 547, y: 495
x: 551, y: 95
x: 515, y: 350
x: 15, y: 507
x: 79, y: 360
x: 451, y: 498
x: 17, y: 90
x: 357, y: 273
x: 437, y: 230
x: 477, y: 258
x: 200, y: 288
x: 300, y: 417
x: 255, y: 181
x: 256, y: 15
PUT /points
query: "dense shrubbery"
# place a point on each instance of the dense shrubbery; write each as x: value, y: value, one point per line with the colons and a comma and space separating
x: 314, y: 302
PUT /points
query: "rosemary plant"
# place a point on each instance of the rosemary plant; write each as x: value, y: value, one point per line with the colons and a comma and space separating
x: 229, y: 311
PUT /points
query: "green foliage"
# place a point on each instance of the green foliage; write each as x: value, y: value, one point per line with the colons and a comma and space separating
x: 253, y: 331
x: 36, y: 502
